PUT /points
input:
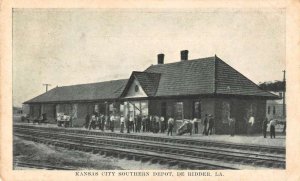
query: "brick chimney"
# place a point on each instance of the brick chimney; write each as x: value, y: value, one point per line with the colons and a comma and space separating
x: 184, y: 55
x: 160, y: 58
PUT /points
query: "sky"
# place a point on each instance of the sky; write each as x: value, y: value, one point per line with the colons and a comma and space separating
x: 74, y: 46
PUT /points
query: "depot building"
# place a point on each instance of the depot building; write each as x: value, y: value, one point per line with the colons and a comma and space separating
x: 185, y: 89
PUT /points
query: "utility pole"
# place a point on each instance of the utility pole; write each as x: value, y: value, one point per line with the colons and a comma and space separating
x: 283, y: 97
x: 46, y: 86
x: 283, y: 102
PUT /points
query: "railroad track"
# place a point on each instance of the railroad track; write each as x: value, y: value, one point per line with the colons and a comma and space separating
x: 39, y: 166
x: 204, y: 157
x: 184, y: 163
x: 187, y: 142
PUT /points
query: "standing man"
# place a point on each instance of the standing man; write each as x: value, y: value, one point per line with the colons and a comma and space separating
x: 189, y: 127
x: 135, y: 124
x: 112, y: 122
x: 150, y: 123
x: 195, y: 125
x: 92, y: 122
x: 170, y: 125
x: 107, y: 122
x: 205, y: 125
x: 272, y: 128
x: 210, y: 124
x: 265, y: 126
x: 250, y: 124
x: 284, y: 127
x: 102, y: 122
x: 122, y: 120
x: 131, y: 123
x: 139, y: 123
x: 231, y: 126
x: 162, y: 124
x: 157, y: 125
x: 147, y: 123
x: 128, y: 124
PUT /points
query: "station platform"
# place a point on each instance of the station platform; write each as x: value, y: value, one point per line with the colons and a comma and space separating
x: 257, y: 139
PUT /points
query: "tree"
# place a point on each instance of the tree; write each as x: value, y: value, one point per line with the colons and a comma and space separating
x: 275, y: 86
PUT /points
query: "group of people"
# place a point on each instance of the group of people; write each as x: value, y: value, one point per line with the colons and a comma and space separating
x: 132, y: 123
x: 151, y: 123
x: 208, y: 123
x: 92, y: 121
x: 272, y: 123
x: 159, y: 124
x: 190, y: 126
x: 145, y: 123
x: 250, y: 125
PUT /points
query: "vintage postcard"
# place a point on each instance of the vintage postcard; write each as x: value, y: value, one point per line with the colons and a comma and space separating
x: 154, y: 90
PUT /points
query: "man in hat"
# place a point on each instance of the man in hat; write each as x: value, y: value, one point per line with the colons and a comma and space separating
x: 162, y: 124
x: 131, y: 124
x: 205, y: 125
x: 195, y: 121
x: 250, y: 125
x: 128, y: 123
x: 210, y: 124
x: 170, y: 125
x: 112, y: 122
x: 265, y: 126
x: 273, y: 123
x: 189, y: 127
x: 122, y: 120
x: 231, y: 125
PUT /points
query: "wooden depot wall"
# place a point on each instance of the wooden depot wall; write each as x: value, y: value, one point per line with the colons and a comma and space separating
x: 240, y: 109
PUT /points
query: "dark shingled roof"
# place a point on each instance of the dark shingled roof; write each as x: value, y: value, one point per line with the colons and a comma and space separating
x: 229, y: 81
x: 208, y: 75
x: 149, y: 82
x: 83, y: 92
x: 186, y: 77
x: 205, y: 76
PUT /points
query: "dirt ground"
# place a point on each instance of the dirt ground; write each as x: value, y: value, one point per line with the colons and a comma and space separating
x: 28, y: 151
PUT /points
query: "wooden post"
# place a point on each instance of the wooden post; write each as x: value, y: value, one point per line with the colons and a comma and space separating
x: 283, y: 97
x: 182, y: 111
x: 140, y: 108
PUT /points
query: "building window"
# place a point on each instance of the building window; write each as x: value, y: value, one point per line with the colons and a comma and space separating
x: 136, y: 88
x: 280, y: 95
x: 225, y: 111
x: 274, y: 110
x: 179, y: 110
x: 269, y: 109
x: 31, y: 110
x: 96, y: 108
x: 137, y: 108
x: 74, y: 110
x: 197, y: 110
x: 163, y: 109
x: 144, y: 107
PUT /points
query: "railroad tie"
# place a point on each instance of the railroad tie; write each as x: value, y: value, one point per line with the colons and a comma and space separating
x: 259, y: 163
x: 137, y: 158
x: 162, y: 161
x: 129, y: 157
x: 154, y: 160
x: 173, y: 163
x: 145, y: 159
x: 268, y: 164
